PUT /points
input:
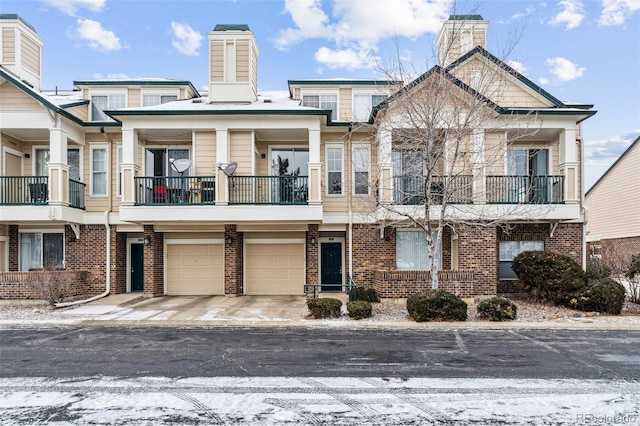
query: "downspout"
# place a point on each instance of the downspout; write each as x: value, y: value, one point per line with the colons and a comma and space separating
x: 350, y: 230
x: 108, y: 267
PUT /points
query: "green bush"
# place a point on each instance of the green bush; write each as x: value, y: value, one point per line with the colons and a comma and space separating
x: 634, y: 267
x: 548, y: 276
x: 324, y: 308
x: 368, y: 295
x: 497, y: 308
x: 597, y: 269
x: 359, y: 309
x: 603, y: 295
x: 436, y: 305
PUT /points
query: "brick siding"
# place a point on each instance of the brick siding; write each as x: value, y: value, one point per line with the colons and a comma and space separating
x: 312, y: 274
x: 233, y: 257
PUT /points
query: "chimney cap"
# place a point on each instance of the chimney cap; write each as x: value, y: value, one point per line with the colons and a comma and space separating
x: 465, y: 18
x: 232, y: 27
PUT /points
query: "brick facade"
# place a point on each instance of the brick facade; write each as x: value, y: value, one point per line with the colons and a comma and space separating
x: 312, y: 272
x: 87, y: 253
x: 153, y: 263
x: 370, y: 252
x: 233, y: 261
x: 478, y: 252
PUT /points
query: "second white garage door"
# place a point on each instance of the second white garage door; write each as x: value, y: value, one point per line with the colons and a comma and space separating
x: 274, y: 269
x: 195, y: 269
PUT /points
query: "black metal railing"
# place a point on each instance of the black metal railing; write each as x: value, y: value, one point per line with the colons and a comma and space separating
x: 525, y: 189
x: 76, y: 194
x: 172, y: 190
x: 24, y: 190
x: 280, y: 190
x: 410, y: 190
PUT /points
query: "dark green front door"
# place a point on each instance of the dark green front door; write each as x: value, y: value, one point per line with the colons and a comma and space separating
x: 331, y: 266
x: 137, y: 267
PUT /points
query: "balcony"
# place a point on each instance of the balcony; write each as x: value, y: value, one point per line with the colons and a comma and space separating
x: 34, y: 191
x: 275, y: 190
x: 410, y: 190
x: 525, y: 189
x: 175, y: 190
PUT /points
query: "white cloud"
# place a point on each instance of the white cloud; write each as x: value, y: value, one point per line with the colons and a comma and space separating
x: 186, y: 40
x: 518, y: 66
x: 544, y: 81
x: 562, y: 70
x: 571, y: 15
x: 528, y: 11
x: 97, y: 37
x: 615, y: 12
x: 70, y: 7
x: 111, y: 76
x: 355, y: 27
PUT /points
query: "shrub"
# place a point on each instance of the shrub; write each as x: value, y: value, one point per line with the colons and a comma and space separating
x: 359, y: 309
x: 50, y: 284
x: 436, y: 305
x: 497, y: 308
x: 603, y: 295
x: 597, y: 269
x: 548, y: 276
x: 368, y: 295
x: 324, y: 308
x: 633, y: 276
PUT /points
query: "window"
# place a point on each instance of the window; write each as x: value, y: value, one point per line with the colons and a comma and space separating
x: 322, y: 102
x: 408, y: 180
x: 509, y: 250
x: 41, y: 250
x: 99, y: 104
x: 527, y: 162
x: 362, y: 105
x: 411, y: 251
x: 361, y: 162
x: 99, y: 170
x: 334, y: 170
x: 42, y: 162
x: 158, y: 161
x: 151, y: 100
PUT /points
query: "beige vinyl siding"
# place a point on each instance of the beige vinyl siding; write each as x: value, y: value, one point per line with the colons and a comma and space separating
x: 82, y: 112
x: 9, y: 45
x: 30, y: 54
x: 12, y: 98
x: 296, y: 94
x: 134, y: 98
x: 241, y: 151
x: 217, y: 61
x: 263, y: 166
x: 344, y: 101
x: 205, y: 147
x: 614, y: 204
x: 242, y: 60
x: 495, y: 154
x: 115, y: 200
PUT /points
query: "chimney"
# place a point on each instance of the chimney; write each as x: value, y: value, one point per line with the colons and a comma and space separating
x: 21, y: 50
x: 233, y: 64
x: 460, y: 34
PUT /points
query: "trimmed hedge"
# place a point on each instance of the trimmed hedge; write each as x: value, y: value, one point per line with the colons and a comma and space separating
x: 603, y: 295
x: 497, y: 308
x: 324, y: 308
x: 359, y: 309
x: 436, y: 305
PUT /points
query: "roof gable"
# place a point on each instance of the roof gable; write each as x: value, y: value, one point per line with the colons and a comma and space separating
x: 634, y: 145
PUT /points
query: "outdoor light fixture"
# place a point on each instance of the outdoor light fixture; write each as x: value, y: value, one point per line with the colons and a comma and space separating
x: 229, y: 240
x: 313, y: 240
x: 147, y: 240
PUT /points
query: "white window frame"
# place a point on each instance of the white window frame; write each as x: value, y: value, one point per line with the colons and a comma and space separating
x: 326, y: 158
x: 158, y: 92
x: 433, y: 235
x: 167, y: 148
x: 37, y: 148
x: 504, y: 259
x: 96, y: 147
x: 368, y: 93
x: 42, y: 231
x: 319, y: 92
x: 109, y: 94
x: 353, y: 169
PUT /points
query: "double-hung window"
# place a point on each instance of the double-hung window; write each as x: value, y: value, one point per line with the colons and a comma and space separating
x: 41, y: 250
x: 101, y: 103
x: 361, y: 165
x: 411, y: 251
x: 509, y: 250
x: 363, y: 104
x: 334, y: 170
x: 322, y: 102
x: 151, y: 100
x: 99, y: 170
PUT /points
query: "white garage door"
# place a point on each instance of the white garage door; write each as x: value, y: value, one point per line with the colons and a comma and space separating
x: 195, y: 269
x: 274, y: 269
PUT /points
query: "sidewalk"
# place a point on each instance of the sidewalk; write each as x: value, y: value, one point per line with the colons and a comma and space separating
x: 255, y: 311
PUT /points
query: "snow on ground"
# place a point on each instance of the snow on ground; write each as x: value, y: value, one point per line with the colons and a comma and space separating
x: 305, y: 400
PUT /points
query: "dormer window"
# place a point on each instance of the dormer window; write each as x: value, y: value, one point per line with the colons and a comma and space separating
x: 363, y: 104
x: 322, y: 102
x: 101, y: 103
x: 152, y: 100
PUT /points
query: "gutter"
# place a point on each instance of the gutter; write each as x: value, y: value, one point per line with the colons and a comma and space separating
x: 108, y: 265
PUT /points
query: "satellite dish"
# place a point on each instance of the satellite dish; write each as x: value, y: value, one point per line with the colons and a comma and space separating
x: 230, y: 168
x: 180, y: 165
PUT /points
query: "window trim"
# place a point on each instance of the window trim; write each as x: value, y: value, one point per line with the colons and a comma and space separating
x: 158, y: 92
x: 320, y: 92
x: 371, y: 94
x: 502, y: 260
x: 353, y: 169
x: 42, y: 231
x: 93, y: 148
x: 339, y: 146
x: 108, y: 93
x: 37, y: 148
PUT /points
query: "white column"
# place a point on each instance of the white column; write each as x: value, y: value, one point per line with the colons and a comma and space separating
x: 315, y: 167
x: 569, y: 164
x: 478, y: 167
x: 222, y: 156
x: 58, y: 168
x: 130, y: 165
x: 385, y: 166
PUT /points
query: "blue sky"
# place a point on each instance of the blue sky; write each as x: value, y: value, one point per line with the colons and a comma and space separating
x: 579, y: 50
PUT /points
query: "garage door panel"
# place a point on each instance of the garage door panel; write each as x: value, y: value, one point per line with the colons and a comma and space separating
x: 195, y: 269
x: 274, y: 269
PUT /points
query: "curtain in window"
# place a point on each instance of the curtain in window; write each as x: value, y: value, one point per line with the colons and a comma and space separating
x: 411, y: 251
x: 361, y: 107
x: 508, y: 250
x: 42, y: 160
x: 99, y: 170
x: 53, y: 250
x: 30, y: 251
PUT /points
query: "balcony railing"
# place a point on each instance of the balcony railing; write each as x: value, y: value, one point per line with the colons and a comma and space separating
x: 24, y: 190
x: 175, y: 190
x: 76, y: 194
x: 410, y: 190
x: 525, y: 189
x: 279, y: 190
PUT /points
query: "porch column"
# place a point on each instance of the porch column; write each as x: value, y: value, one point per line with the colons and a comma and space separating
x: 315, y: 191
x: 222, y: 156
x: 569, y: 165
x: 130, y: 166
x: 478, y: 168
x: 58, y: 168
x: 385, y: 166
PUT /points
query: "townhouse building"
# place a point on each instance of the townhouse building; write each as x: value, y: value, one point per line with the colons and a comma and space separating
x: 148, y: 185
